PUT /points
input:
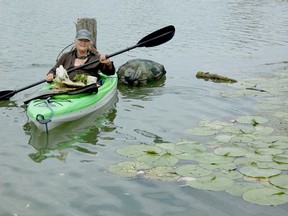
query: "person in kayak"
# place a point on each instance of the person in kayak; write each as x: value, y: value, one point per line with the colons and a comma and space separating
x: 84, y: 52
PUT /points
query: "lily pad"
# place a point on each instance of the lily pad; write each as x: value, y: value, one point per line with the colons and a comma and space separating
x: 158, y: 160
x: 280, y: 166
x: 213, y: 124
x: 280, y: 181
x: 266, y: 196
x: 169, y: 147
x: 191, y: 148
x: 161, y: 173
x: 128, y: 168
x: 254, y: 120
x: 281, y: 158
x: 260, y: 144
x: 280, y: 145
x: 211, y: 158
x: 138, y: 150
x: 245, y: 161
x: 186, y: 156
x: 224, y: 138
x: 190, y: 170
x: 213, y: 183
x: 231, y: 174
x: 230, y: 151
x: 214, y: 144
x: 269, y: 151
x: 259, y: 157
x: 281, y: 115
x: 201, y: 131
x: 239, y: 129
x: 263, y: 130
x: 276, y: 139
x: 239, y: 188
x: 242, y: 139
x: 256, y: 172
x: 223, y: 167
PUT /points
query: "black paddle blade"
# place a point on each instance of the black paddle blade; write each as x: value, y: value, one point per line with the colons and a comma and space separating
x: 158, y: 37
x: 5, y: 95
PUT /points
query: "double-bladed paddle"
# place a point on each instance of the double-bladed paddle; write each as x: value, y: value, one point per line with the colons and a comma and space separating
x: 153, y: 39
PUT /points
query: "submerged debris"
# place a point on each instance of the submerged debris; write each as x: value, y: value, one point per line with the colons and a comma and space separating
x: 214, y: 77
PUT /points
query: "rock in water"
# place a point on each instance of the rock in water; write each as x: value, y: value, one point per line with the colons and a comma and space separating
x: 140, y: 72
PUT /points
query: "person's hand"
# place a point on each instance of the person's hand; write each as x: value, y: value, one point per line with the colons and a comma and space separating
x: 105, y: 60
x: 49, y: 77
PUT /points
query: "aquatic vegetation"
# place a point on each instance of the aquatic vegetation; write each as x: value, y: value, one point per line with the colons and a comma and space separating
x: 245, y: 156
x: 238, y: 167
x: 266, y: 196
x: 213, y: 183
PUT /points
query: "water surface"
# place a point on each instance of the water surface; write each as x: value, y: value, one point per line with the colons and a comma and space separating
x: 235, y: 38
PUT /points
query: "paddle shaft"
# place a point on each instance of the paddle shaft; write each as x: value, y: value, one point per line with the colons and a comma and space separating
x: 9, y: 94
x: 154, y: 39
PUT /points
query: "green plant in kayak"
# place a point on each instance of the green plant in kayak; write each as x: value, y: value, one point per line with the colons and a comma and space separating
x: 80, y: 78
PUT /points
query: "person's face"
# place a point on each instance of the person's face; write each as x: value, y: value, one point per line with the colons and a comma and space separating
x: 82, y: 45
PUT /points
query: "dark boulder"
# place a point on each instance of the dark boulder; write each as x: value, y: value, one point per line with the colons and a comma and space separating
x: 138, y: 72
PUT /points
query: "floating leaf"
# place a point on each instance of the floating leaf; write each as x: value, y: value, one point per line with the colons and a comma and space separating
x: 238, y: 189
x: 138, y: 150
x: 245, y: 161
x: 262, y: 165
x: 238, y: 129
x: 224, y: 167
x: 260, y: 144
x: 231, y: 174
x: 279, y: 145
x: 269, y: 151
x: 186, y: 156
x: 254, y: 120
x: 213, y: 124
x: 255, y: 179
x: 224, y: 138
x: 213, y: 183
x: 280, y: 166
x: 266, y: 196
x: 256, y: 172
x: 127, y: 168
x: 230, y: 151
x: 281, y: 158
x: 281, y: 115
x: 190, y: 148
x: 242, y: 139
x: 201, y: 131
x: 214, y: 144
x: 263, y: 130
x: 211, y: 158
x: 169, y: 147
x: 259, y: 157
x: 190, y: 170
x: 275, y: 139
x: 158, y: 160
x: 162, y: 173
x: 280, y: 181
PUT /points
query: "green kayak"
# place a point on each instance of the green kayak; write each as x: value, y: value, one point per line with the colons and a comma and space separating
x: 57, y: 109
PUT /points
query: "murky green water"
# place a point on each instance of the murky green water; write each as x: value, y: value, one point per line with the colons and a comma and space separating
x: 66, y: 173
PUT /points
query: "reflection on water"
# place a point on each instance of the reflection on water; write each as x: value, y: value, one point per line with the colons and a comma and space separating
x: 144, y: 92
x: 8, y: 103
x: 234, y: 38
x: 80, y: 135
